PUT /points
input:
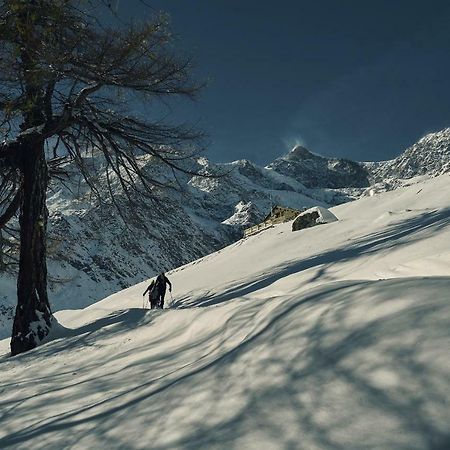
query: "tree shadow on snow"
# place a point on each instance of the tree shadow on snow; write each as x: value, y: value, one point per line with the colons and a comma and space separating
x: 393, y: 237
x: 303, y: 369
x: 315, y: 376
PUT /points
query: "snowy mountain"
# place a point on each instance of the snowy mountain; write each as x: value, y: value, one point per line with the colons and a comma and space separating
x: 429, y: 156
x: 93, y: 251
x: 316, y: 171
x: 334, y: 337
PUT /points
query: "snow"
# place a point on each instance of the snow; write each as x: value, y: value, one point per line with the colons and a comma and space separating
x: 92, y: 253
x: 325, y: 216
x: 430, y: 155
x: 336, y: 337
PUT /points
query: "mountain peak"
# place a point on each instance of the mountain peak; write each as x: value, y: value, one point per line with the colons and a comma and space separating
x: 300, y: 153
x: 430, y: 155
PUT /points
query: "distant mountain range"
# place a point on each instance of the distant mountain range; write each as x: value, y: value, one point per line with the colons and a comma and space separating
x: 315, y: 171
x: 429, y: 156
x: 93, y: 251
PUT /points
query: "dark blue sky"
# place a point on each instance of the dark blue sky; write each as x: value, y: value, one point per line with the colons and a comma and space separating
x: 356, y: 79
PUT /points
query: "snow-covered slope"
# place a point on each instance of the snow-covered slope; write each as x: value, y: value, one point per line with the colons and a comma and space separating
x: 332, y: 337
x: 93, y: 252
x: 430, y: 156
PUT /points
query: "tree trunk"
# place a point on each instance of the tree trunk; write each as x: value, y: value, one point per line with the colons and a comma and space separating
x: 33, y: 316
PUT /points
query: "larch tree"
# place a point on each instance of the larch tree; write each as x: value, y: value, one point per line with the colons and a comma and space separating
x: 66, y: 83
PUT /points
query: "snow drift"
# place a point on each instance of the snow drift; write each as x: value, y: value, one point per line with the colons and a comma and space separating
x: 282, y: 340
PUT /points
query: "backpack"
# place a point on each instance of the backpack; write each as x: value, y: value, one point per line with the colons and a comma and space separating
x: 153, y: 291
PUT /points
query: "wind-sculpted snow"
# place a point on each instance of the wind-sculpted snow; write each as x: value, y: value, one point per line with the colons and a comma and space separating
x: 333, y: 337
x: 324, y: 370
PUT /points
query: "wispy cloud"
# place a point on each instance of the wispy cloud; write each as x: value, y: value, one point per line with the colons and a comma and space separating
x: 292, y: 141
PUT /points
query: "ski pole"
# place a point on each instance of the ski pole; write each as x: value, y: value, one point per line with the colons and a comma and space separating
x: 171, y: 298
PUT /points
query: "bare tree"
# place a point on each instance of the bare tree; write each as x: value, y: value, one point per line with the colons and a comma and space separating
x: 66, y: 82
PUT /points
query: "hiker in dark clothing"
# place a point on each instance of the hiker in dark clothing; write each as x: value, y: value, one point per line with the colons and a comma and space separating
x: 160, y: 285
x: 152, y: 295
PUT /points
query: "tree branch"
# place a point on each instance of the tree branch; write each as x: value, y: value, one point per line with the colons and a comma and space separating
x: 11, y: 209
x: 84, y: 92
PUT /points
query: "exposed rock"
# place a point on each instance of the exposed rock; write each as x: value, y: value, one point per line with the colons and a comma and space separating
x: 429, y: 156
x: 316, y: 171
x: 312, y: 217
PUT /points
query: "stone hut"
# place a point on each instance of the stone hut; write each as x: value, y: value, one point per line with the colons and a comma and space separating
x: 278, y: 214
